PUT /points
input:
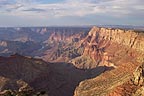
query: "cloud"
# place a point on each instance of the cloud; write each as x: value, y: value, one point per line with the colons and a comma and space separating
x: 80, y: 8
x: 35, y: 10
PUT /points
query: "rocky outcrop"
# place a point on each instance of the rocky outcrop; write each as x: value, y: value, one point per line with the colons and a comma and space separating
x: 103, y: 84
x: 138, y: 78
x: 3, y: 43
x: 134, y: 87
x: 129, y: 82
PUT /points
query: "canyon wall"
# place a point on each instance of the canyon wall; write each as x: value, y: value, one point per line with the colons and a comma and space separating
x: 121, y: 49
x: 104, y: 37
x: 104, y: 45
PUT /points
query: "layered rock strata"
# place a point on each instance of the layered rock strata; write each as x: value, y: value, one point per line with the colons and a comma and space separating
x: 121, y: 49
x: 106, y: 45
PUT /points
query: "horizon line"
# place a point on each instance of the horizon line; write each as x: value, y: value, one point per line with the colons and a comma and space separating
x: 108, y: 25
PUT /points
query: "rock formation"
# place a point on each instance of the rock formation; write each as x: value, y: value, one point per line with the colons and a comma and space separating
x: 134, y: 87
x: 105, y: 45
x: 121, y: 49
x: 79, y: 62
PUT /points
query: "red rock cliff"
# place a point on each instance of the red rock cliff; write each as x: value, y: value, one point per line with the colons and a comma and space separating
x: 101, y: 43
x: 121, y: 49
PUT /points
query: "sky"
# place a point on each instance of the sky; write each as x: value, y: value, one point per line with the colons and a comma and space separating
x: 71, y: 12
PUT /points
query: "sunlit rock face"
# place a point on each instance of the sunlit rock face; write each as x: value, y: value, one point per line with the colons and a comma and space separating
x: 105, y: 45
x: 121, y: 49
x: 133, y: 87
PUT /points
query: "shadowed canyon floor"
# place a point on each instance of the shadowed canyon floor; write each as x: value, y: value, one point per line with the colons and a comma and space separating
x: 57, y: 79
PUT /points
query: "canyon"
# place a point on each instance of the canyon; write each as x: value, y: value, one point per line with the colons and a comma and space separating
x: 72, y: 61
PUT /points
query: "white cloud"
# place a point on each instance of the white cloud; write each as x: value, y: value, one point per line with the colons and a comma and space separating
x: 30, y: 8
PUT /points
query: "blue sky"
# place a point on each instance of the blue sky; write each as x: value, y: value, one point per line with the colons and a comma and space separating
x: 71, y: 12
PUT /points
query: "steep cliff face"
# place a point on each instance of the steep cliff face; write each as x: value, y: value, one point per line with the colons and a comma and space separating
x: 121, y: 49
x: 106, y: 45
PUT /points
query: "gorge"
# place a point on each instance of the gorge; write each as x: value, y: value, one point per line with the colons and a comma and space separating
x: 72, y: 61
